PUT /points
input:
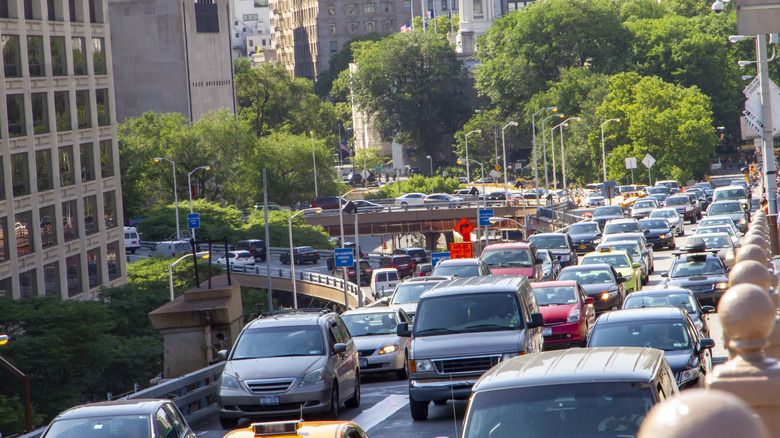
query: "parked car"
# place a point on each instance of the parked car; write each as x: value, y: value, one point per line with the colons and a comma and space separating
x: 437, y: 200
x: 365, y: 273
x: 328, y: 203
x: 140, y: 418
x: 379, y: 347
x: 301, y: 254
x: 585, y: 235
x: 682, y: 298
x: 668, y: 329
x: 568, y: 313
x: 408, y: 292
x: 514, y: 258
x: 283, y: 358
x: 601, y: 282
x: 579, y: 392
x: 410, y: 199
x: 551, y: 266
x: 418, y: 255
x: 243, y: 258
x: 402, y: 263
x: 659, y: 232
x: 256, y: 247
x: 463, y: 328
x: 471, y: 267
x: 672, y: 216
x: 384, y: 281
x: 561, y: 245
x: 132, y: 241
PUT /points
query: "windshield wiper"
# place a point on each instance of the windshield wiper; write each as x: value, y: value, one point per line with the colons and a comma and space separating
x: 437, y: 329
x: 496, y: 326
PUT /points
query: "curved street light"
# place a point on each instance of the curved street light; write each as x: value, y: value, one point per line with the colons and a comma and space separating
x: 175, y: 194
x: 603, y: 154
x: 536, y: 163
x: 189, y: 190
x: 468, y: 169
x: 563, y: 157
x: 544, y: 150
x: 503, y: 143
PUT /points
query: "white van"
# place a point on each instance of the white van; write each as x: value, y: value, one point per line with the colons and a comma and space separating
x: 383, y: 282
x: 172, y: 248
x: 132, y: 241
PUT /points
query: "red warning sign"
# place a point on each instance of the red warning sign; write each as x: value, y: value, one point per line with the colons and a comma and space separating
x: 461, y: 250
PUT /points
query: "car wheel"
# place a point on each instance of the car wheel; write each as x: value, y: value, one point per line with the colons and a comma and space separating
x: 403, y: 373
x: 354, y: 401
x: 403, y: 204
x: 419, y: 409
x: 334, y: 401
x: 228, y: 423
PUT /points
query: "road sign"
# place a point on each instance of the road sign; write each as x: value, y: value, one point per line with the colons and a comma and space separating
x: 461, y: 250
x: 378, y: 168
x: 364, y: 174
x: 498, y: 167
x: 754, y: 110
x: 193, y: 220
x: 630, y: 163
x: 756, y: 17
x: 648, y: 161
x: 436, y: 257
x: 495, y: 173
x: 344, y: 257
x: 464, y: 228
x: 484, y: 217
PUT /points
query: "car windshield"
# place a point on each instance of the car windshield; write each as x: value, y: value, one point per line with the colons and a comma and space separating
x: 610, y: 210
x: 594, y: 195
x: 550, y: 242
x: 713, y: 241
x: 709, y: 229
x: 622, y: 227
x: 416, y: 252
x: 410, y: 292
x: 683, y: 301
x: 462, y: 313
x: 678, y: 201
x: 552, y: 296
x: 709, y: 222
x: 614, y: 260
x: 652, y: 224
x: 456, y: 270
x: 694, y: 267
x: 657, y: 190
x: 508, y: 257
x: 279, y: 342
x: 645, y: 204
x: 584, y: 228
x: 725, y: 208
x: 368, y: 324
x: 664, y: 213
x: 736, y: 193
x: 591, y: 276
x: 583, y: 410
x: 663, y: 335
x: 101, y: 426
x: 630, y: 248
x: 545, y: 256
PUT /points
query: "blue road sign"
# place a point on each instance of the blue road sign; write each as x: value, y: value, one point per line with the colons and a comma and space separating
x: 344, y: 257
x: 436, y: 257
x: 193, y: 220
x: 484, y: 217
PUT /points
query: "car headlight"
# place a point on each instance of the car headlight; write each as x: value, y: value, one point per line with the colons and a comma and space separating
x: 742, y: 221
x: 666, y: 236
x: 388, y: 349
x: 608, y: 295
x: 574, y: 315
x: 722, y: 285
x: 229, y: 382
x: 422, y: 365
x: 546, y: 272
x: 687, y: 375
x: 314, y: 377
x: 596, y: 241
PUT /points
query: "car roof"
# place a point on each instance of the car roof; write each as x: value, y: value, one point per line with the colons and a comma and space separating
x: 481, y: 284
x: 587, y: 267
x: 382, y: 270
x: 615, y: 251
x: 113, y: 408
x: 306, y: 428
x: 660, y: 292
x: 622, y: 221
x: 553, y: 284
x: 574, y: 365
x: 459, y: 262
x: 363, y: 310
x: 726, y: 201
x: 530, y: 238
x: 437, y: 278
x: 289, y: 318
x: 642, y: 314
x: 508, y: 245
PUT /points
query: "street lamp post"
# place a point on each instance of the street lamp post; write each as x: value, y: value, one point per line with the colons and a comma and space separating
x: 314, y: 160
x: 603, y: 153
x: 536, y: 164
x: 189, y: 189
x: 468, y: 168
x: 430, y: 159
x: 503, y: 142
x: 552, y: 148
x: 292, y: 256
x: 563, y: 156
x: 544, y: 150
x: 175, y: 194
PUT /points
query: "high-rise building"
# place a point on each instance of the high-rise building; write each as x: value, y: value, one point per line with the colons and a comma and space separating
x: 172, y: 56
x: 251, y: 28
x: 60, y: 189
x: 477, y: 17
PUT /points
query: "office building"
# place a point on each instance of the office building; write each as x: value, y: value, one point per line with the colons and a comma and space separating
x: 251, y: 28
x: 60, y: 189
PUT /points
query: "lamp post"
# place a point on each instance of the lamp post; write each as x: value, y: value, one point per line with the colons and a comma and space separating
x: 314, y: 161
x: 430, y: 159
x: 357, y: 254
x: 292, y: 256
x: 563, y: 157
x: 170, y: 271
x: 544, y: 150
x: 175, y: 194
x: 503, y: 142
x: 603, y: 154
x: 25, y: 386
x: 484, y: 195
x: 552, y: 149
x: 536, y: 164
x: 468, y: 168
x: 189, y: 189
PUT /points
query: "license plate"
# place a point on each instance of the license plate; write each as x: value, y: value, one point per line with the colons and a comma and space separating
x: 363, y: 363
x: 582, y: 247
x: 546, y: 331
x: 269, y: 400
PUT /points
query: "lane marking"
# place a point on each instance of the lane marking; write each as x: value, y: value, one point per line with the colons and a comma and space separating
x: 381, y: 411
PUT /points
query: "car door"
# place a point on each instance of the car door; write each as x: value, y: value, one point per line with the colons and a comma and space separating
x: 538, y: 267
x: 350, y: 363
x: 587, y: 309
x: 338, y: 360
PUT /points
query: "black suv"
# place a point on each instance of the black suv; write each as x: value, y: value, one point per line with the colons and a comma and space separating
x: 418, y: 255
x: 289, y: 363
x: 255, y: 247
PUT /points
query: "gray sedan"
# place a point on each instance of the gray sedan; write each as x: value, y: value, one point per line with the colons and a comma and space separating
x: 379, y: 348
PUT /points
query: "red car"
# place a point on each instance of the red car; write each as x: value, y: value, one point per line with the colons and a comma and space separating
x: 568, y: 313
x: 402, y: 263
x: 514, y: 258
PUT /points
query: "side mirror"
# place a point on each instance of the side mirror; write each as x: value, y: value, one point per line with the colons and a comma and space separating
x: 589, y: 300
x: 537, y: 320
x: 707, y: 309
x: 636, y: 265
x: 664, y: 274
x: 538, y: 261
x: 646, y: 231
x: 339, y: 348
x: 222, y: 355
x: 621, y: 280
x: 402, y: 330
x: 706, y: 343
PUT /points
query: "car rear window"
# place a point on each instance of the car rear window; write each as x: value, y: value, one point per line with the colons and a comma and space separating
x: 416, y: 252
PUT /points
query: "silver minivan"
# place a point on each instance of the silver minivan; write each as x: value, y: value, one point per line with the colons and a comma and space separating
x: 464, y: 327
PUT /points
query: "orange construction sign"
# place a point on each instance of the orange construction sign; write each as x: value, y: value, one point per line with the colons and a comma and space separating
x: 461, y: 250
x: 464, y: 228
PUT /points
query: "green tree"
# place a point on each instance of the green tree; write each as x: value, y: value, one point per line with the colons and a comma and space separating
x: 338, y: 63
x: 411, y: 83
x: 486, y: 146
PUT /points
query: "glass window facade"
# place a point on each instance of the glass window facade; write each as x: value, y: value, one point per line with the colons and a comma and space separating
x: 24, y: 233
x: 113, y: 260
x: 73, y: 270
x: 94, y: 268
x: 12, y: 58
x: 79, y: 61
x: 20, y: 175
x: 48, y: 227
x: 51, y: 279
x: 5, y: 287
x: 90, y: 215
x: 101, y: 98
x: 87, y: 162
x: 82, y: 107
x: 27, y: 284
x: 35, y: 56
x: 109, y: 209
x: 40, y: 112
x: 4, y: 252
x: 99, y: 56
x: 43, y: 170
x: 62, y: 110
x: 106, y: 159
x: 16, y: 123
x: 67, y: 169
x: 59, y: 63
x: 70, y: 221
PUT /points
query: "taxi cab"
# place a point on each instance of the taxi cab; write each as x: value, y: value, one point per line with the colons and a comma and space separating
x: 294, y: 429
x: 623, y: 263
